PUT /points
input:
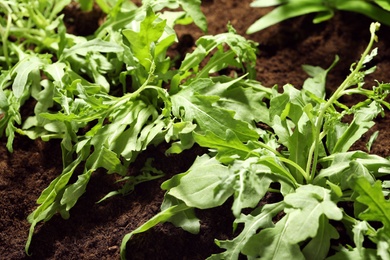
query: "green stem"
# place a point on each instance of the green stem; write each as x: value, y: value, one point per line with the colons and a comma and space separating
x: 263, y: 145
x: 296, y: 166
x: 5, y: 34
x: 313, y: 155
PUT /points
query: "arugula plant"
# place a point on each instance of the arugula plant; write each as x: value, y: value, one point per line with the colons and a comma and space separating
x: 82, y: 96
x: 111, y: 95
x: 377, y: 10
x: 306, y: 158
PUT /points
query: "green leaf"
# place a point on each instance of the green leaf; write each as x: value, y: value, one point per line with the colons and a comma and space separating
x: 74, y: 191
x: 308, y: 204
x: 141, y: 43
x: 336, y: 164
x: 317, y: 81
x: 383, y: 3
x: 51, y: 192
x: 229, y: 148
x: 95, y: 45
x: 86, y: 5
x: 197, y: 186
x: 359, y: 230
x: 50, y: 200
x: 200, y: 108
x: 318, y: 247
x: 284, y: 12
x: 361, y: 123
x: 22, y: 71
x: 251, y: 182
x: 192, y: 7
x: 118, y: 22
x: 371, y: 141
x: 107, y: 159
x: 242, y: 96
x: 267, y: 3
x: 161, y: 217
x: 372, y: 196
x: 367, y: 9
x: 272, y: 243
x: 252, y: 224
x: 383, y: 244
x: 185, y: 219
x: 181, y: 131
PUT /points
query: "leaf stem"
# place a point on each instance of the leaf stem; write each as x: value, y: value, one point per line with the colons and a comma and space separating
x: 296, y: 166
x: 5, y: 34
x: 313, y: 154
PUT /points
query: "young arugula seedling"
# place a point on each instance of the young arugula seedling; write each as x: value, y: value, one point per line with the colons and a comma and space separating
x: 377, y: 10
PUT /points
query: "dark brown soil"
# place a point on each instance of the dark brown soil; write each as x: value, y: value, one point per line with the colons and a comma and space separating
x: 95, y: 231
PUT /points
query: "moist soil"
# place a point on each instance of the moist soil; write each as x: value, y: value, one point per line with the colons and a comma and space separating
x: 95, y: 231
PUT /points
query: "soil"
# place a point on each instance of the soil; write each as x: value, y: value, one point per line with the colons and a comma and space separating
x: 95, y: 231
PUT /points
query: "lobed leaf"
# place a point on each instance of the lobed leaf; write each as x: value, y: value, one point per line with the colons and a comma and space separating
x: 372, y: 196
x: 251, y: 225
x: 190, y: 106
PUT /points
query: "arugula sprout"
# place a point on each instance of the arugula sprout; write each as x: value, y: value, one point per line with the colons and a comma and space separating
x: 377, y: 10
x: 307, y: 155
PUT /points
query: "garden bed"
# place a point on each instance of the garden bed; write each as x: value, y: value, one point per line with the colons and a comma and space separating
x: 95, y: 231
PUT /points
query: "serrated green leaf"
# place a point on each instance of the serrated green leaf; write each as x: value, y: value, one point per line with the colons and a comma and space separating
x: 372, y: 196
x: 107, y: 159
x: 141, y: 42
x: 252, y: 224
x: 208, y: 117
x: 49, y: 199
x: 241, y: 96
x: 251, y: 182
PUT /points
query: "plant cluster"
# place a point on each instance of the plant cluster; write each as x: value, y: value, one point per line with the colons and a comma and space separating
x: 110, y: 95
